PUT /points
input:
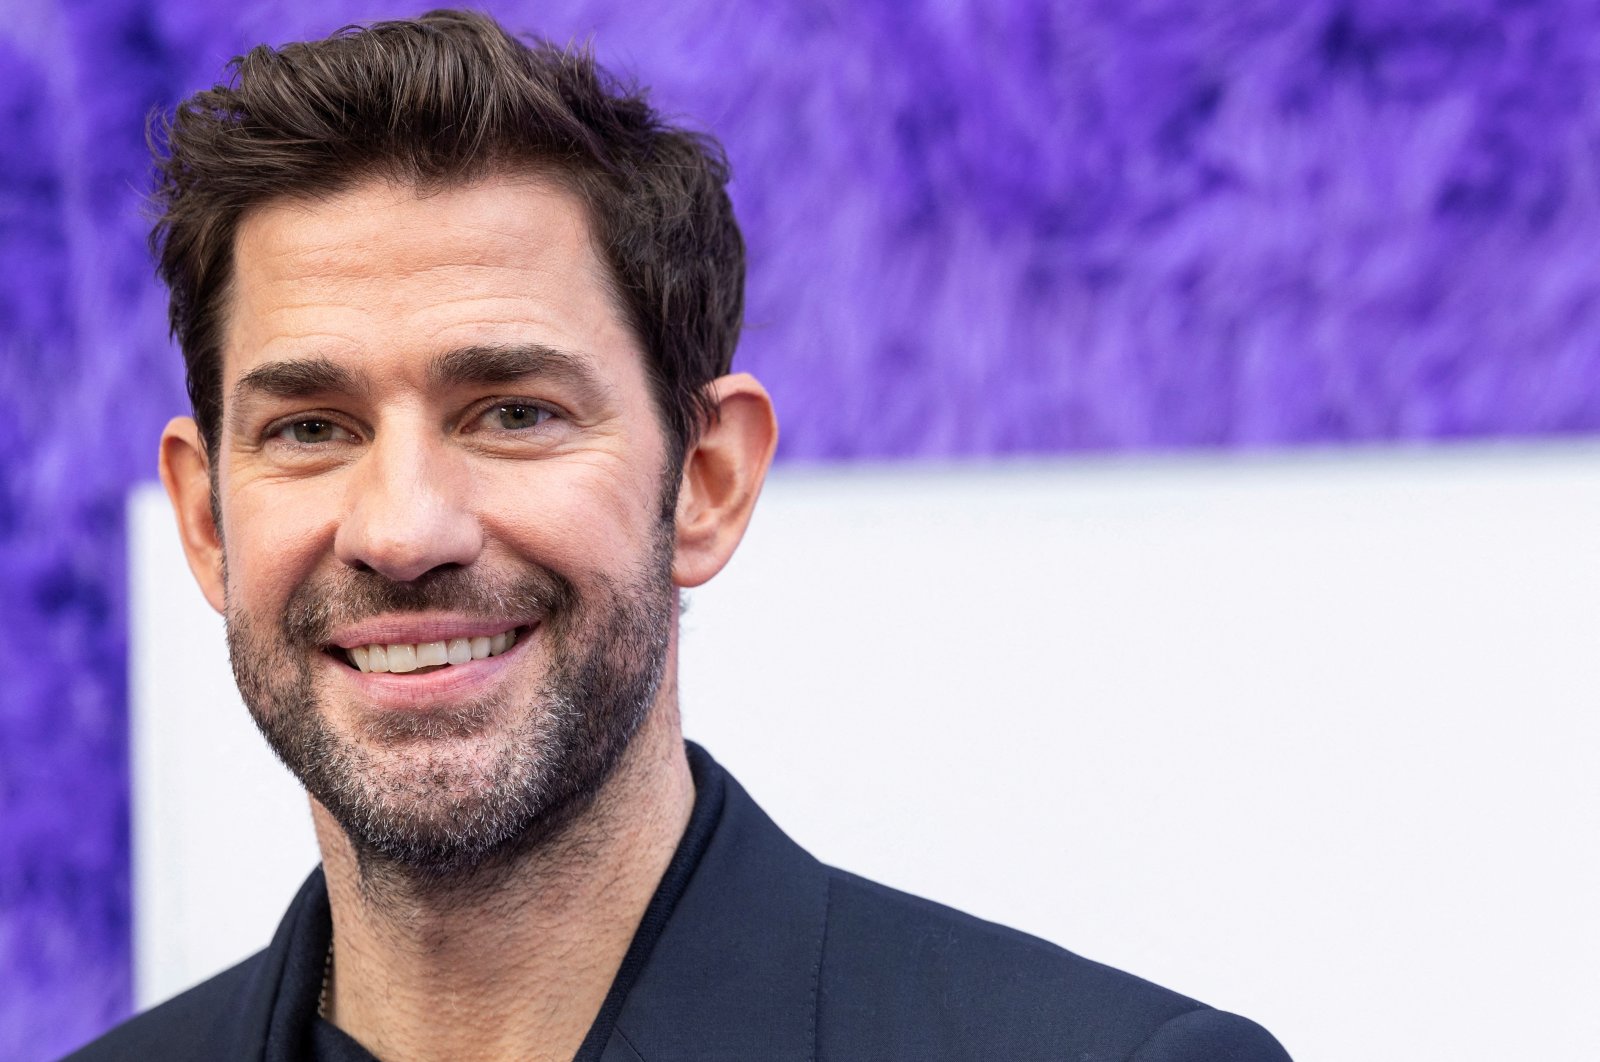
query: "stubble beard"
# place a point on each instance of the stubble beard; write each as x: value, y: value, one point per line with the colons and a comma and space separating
x: 439, y: 797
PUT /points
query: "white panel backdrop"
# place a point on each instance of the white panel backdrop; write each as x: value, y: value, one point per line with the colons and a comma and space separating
x: 1308, y: 736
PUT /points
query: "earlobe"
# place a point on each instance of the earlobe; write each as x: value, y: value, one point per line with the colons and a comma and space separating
x: 722, y: 477
x: 186, y: 473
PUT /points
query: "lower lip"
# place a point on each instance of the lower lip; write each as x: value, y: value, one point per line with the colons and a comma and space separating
x: 414, y: 692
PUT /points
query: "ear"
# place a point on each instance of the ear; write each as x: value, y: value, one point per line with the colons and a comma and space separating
x: 722, y: 477
x: 186, y: 473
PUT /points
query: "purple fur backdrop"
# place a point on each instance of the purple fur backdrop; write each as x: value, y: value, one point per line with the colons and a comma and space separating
x: 977, y: 228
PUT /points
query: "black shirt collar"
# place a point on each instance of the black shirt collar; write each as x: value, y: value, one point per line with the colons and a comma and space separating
x: 295, y: 1033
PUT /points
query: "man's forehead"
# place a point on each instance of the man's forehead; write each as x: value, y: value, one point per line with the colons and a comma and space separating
x: 502, y: 261
x: 311, y: 237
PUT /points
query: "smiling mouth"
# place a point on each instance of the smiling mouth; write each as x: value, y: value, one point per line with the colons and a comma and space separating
x: 422, y: 657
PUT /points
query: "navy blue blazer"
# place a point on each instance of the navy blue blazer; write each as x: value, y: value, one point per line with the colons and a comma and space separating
x: 753, y: 950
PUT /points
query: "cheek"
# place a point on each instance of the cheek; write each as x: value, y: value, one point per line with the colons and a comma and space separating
x: 582, y: 515
x: 269, y: 550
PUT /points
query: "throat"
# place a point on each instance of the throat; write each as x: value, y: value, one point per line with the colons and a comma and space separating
x: 420, y: 978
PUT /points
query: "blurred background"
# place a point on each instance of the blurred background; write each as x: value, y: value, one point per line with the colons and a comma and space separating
x: 1289, y: 298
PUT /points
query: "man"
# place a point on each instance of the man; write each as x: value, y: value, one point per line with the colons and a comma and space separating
x: 458, y: 316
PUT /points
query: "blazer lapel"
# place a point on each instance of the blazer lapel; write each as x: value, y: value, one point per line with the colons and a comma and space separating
x: 734, y: 974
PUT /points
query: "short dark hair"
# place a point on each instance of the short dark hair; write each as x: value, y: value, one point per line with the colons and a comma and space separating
x: 440, y: 100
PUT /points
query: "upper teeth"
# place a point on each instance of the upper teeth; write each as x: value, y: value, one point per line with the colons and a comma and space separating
x: 399, y: 658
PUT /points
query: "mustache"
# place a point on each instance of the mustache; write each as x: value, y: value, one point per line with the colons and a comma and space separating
x: 318, y: 607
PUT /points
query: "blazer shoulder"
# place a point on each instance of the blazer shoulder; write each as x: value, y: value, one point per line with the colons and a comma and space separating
x: 1207, y: 1035
x: 907, y: 978
x: 191, y: 1025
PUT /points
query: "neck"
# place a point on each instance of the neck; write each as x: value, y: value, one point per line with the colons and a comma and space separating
x: 516, y: 962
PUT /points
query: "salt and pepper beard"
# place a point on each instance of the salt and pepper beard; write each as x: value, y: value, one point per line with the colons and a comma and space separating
x: 439, y: 815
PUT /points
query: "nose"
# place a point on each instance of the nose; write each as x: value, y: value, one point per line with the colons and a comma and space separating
x: 408, y: 511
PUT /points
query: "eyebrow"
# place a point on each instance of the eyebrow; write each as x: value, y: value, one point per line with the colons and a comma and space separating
x: 294, y: 378
x: 507, y: 363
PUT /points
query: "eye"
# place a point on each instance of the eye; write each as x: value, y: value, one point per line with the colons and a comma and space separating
x: 514, y: 416
x: 311, y: 431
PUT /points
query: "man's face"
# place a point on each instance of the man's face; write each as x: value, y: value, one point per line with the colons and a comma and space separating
x: 437, y: 430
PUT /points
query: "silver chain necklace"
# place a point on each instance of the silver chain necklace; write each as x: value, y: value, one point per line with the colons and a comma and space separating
x: 327, y: 976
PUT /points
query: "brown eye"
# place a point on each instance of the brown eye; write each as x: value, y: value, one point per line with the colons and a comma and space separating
x: 311, y: 431
x: 515, y: 416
